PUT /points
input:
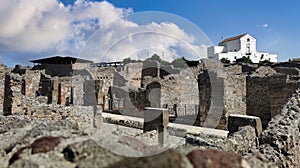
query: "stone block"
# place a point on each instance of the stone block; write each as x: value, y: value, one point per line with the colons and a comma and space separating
x: 236, y: 121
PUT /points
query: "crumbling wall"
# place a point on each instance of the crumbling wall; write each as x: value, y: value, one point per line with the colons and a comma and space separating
x: 12, y: 94
x: 17, y: 87
x: 64, y: 91
x: 179, y: 89
x: 132, y: 73
x: 79, y: 66
x: 3, y: 71
x: 266, y: 95
x: 105, y: 76
x: 288, y: 70
x: 32, y: 82
x: 235, y: 90
x: 279, y: 143
x: 150, y: 68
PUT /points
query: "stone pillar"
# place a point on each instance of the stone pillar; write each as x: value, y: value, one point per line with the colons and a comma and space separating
x: 61, y: 94
x: 89, y: 95
x: 54, y: 94
x: 13, y: 94
x: 105, y: 103
x: 157, y: 119
x: 97, y: 121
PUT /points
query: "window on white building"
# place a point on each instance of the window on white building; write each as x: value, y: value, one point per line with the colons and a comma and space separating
x: 248, y: 49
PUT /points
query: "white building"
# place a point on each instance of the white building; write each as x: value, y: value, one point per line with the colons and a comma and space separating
x: 236, y: 47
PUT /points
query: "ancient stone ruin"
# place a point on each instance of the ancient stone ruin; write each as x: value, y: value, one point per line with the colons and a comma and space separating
x: 235, y: 115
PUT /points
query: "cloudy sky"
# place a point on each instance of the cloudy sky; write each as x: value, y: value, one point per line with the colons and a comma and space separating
x: 33, y: 29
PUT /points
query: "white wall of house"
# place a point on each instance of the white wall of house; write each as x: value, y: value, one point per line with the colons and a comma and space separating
x: 248, y: 44
x: 237, y: 48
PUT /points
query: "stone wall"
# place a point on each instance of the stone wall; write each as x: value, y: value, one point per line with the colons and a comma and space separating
x: 151, y: 69
x: 180, y: 90
x: 279, y: 143
x: 132, y: 73
x: 288, y: 70
x: 79, y: 66
x: 12, y: 94
x: 235, y: 90
x: 32, y: 82
x: 3, y: 70
x: 267, y: 95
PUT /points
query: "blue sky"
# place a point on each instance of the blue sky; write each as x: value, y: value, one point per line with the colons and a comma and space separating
x: 46, y: 31
x: 275, y: 24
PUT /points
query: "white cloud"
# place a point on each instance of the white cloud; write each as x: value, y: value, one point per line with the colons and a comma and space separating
x: 35, y: 26
x: 122, y: 39
x: 263, y: 25
x: 49, y: 26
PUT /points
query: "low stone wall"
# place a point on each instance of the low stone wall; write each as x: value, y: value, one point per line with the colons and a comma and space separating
x: 288, y: 70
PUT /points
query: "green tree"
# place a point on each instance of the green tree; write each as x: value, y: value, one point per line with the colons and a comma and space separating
x: 244, y: 60
x: 265, y: 62
x: 127, y: 60
x: 180, y: 63
x: 225, y: 60
x: 157, y: 58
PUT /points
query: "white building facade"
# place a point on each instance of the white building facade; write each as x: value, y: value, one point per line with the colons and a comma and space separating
x: 237, y: 47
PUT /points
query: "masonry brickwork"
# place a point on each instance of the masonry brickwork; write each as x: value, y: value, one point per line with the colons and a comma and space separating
x: 208, y: 92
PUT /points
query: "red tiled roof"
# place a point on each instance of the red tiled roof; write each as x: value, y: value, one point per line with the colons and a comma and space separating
x: 233, y: 38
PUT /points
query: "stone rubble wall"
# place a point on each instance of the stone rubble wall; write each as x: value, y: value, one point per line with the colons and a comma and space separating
x: 12, y: 94
x: 132, y: 73
x: 266, y: 95
x: 180, y: 89
x: 280, y: 142
x: 235, y: 91
x: 288, y: 71
x: 3, y: 71
x: 32, y: 82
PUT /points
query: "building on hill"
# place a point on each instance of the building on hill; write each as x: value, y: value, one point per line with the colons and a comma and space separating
x: 237, y: 47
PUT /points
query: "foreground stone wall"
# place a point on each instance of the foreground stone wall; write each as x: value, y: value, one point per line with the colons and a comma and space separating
x: 280, y: 142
